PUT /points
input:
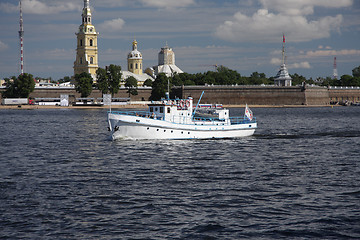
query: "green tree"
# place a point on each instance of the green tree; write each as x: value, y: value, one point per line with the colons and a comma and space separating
x: 19, y: 87
x: 148, y: 83
x: 102, y: 82
x: 108, y: 79
x: 131, y: 86
x: 347, y: 80
x: 297, y: 79
x: 356, y: 72
x: 159, y: 87
x: 83, y: 84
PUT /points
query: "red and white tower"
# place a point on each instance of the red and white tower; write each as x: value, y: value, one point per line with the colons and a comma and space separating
x: 335, y: 73
x: 21, y: 36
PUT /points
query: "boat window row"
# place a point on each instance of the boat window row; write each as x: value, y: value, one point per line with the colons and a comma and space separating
x: 160, y: 109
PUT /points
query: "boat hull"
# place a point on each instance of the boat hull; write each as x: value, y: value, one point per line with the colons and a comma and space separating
x: 130, y: 127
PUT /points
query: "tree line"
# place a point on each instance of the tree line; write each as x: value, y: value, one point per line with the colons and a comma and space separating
x: 109, y: 79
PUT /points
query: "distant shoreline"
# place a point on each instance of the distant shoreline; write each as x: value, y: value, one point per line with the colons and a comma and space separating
x: 137, y: 106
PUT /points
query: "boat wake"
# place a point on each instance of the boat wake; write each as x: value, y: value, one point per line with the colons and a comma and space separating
x: 340, y: 134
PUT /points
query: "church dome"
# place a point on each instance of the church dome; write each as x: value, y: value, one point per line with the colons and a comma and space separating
x: 134, y: 54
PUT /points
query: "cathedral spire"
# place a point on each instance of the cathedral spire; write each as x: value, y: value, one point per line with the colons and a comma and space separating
x: 86, y: 3
x: 86, y: 15
x: 87, y: 49
x: 134, y: 43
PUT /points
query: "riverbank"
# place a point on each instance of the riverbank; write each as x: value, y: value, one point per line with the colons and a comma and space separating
x: 137, y: 106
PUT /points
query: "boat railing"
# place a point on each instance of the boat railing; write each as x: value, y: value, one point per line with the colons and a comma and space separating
x: 145, y: 114
x: 188, y: 119
x: 241, y: 120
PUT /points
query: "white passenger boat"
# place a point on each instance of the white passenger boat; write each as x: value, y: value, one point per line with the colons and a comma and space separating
x: 177, y: 119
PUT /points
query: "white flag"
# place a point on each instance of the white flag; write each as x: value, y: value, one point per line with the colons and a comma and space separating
x: 248, y: 113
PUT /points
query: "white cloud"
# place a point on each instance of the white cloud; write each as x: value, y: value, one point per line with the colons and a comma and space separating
x: 276, y: 61
x: 305, y: 65
x: 54, y: 54
x: 40, y: 7
x: 167, y: 3
x: 303, y: 7
x: 321, y: 53
x: 3, y: 46
x: 112, y: 25
x: 8, y: 8
x: 264, y: 27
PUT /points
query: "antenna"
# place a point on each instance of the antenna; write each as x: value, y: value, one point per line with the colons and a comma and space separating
x: 283, y: 50
x: 335, y: 73
x: 21, y: 36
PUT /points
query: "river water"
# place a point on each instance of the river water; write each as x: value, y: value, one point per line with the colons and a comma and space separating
x: 298, y: 177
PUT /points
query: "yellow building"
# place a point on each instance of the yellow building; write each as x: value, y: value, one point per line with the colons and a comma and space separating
x: 135, y: 60
x: 135, y: 67
x: 87, y: 50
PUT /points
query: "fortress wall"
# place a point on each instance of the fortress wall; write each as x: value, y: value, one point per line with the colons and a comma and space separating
x: 344, y: 94
x: 234, y: 95
x: 230, y: 95
x: 55, y: 93
x: 317, y: 96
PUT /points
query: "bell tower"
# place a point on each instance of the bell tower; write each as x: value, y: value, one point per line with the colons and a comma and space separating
x: 87, y: 50
x: 135, y: 60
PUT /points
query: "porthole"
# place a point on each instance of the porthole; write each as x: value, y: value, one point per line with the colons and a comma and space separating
x: 157, y: 129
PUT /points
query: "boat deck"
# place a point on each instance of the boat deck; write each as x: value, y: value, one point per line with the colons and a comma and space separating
x: 193, y: 120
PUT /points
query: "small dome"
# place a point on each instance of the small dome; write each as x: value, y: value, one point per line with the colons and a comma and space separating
x: 134, y: 54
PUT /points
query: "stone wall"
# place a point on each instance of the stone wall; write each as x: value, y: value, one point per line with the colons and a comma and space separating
x: 231, y: 95
x: 253, y: 95
x: 342, y: 94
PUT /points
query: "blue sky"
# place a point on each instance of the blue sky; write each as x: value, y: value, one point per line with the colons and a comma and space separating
x: 244, y: 35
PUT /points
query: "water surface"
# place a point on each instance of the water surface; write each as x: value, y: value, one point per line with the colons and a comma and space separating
x: 298, y: 177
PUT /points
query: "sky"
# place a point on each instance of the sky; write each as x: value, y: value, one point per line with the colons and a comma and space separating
x: 243, y: 35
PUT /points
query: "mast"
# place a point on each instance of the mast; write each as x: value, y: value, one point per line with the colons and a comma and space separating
x: 283, y: 50
x: 21, y: 36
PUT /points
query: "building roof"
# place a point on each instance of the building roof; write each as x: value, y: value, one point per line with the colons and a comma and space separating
x: 139, y: 78
x: 169, y: 70
x: 283, y: 73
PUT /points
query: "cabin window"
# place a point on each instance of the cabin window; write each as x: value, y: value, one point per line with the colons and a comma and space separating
x: 168, y: 110
x: 161, y: 109
x: 151, y: 109
x: 156, y: 109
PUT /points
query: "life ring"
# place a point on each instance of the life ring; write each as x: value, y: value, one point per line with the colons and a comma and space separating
x: 182, y: 103
x: 187, y: 103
